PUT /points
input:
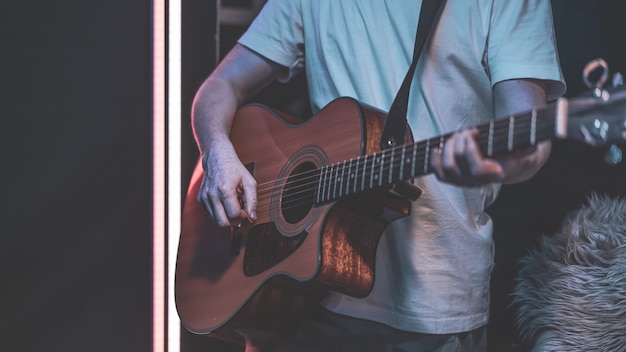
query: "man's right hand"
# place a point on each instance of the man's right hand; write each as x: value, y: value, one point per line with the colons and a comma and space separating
x: 228, y: 190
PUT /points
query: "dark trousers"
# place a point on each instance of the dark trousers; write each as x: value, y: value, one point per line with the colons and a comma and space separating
x: 327, y: 331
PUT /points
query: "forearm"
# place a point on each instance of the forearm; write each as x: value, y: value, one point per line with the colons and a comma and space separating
x: 212, y: 112
x: 512, y: 97
x: 237, y: 78
x: 226, y: 181
x: 524, y: 164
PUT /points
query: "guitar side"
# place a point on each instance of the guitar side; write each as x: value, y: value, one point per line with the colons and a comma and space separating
x: 263, y: 280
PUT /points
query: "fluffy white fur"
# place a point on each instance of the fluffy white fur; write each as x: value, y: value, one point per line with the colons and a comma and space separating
x: 570, y: 294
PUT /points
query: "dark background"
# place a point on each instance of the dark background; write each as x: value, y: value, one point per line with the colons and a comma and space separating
x: 76, y: 166
x: 76, y: 175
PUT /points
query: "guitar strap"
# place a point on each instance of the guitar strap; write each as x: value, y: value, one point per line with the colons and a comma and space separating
x: 395, y: 125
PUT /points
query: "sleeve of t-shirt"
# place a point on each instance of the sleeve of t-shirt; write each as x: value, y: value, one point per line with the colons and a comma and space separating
x: 277, y: 34
x: 521, y: 44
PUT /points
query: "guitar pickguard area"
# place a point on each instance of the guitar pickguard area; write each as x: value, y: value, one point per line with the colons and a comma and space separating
x: 266, y: 247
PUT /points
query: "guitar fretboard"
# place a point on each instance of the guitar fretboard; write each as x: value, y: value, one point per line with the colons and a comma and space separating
x: 412, y: 160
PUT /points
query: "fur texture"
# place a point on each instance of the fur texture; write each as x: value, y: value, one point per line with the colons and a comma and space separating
x: 570, y: 293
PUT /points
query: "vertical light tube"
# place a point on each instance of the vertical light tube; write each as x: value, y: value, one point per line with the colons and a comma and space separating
x: 174, y: 117
x: 167, y: 161
x: 158, y: 181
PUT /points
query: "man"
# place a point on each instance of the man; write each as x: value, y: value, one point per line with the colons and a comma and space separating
x: 484, y: 59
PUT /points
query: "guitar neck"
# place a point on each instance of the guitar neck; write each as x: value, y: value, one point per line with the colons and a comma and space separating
x: 412, y: 160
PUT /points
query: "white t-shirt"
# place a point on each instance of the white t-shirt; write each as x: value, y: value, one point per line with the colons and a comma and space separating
x: 432, y: 268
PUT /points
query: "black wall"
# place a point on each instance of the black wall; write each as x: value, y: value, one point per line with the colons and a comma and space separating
x: 75, y: 175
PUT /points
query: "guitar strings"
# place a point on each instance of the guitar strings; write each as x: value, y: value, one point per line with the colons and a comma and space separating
x: 498, y: 137
x: 309, y: 181
x: 295, y: 201
x: 342, y: 168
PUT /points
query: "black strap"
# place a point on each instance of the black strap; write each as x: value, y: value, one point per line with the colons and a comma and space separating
x: 395, y: 125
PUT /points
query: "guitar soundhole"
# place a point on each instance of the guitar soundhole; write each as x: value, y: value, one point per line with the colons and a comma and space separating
x: 299, y: 193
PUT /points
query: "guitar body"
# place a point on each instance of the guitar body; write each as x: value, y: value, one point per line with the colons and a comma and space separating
x: 258, y: 281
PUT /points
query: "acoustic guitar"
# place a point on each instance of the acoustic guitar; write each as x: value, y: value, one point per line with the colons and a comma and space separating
x: 326, y: 192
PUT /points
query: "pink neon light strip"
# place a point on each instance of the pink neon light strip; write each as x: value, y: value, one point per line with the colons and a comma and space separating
x: 159, y: 165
